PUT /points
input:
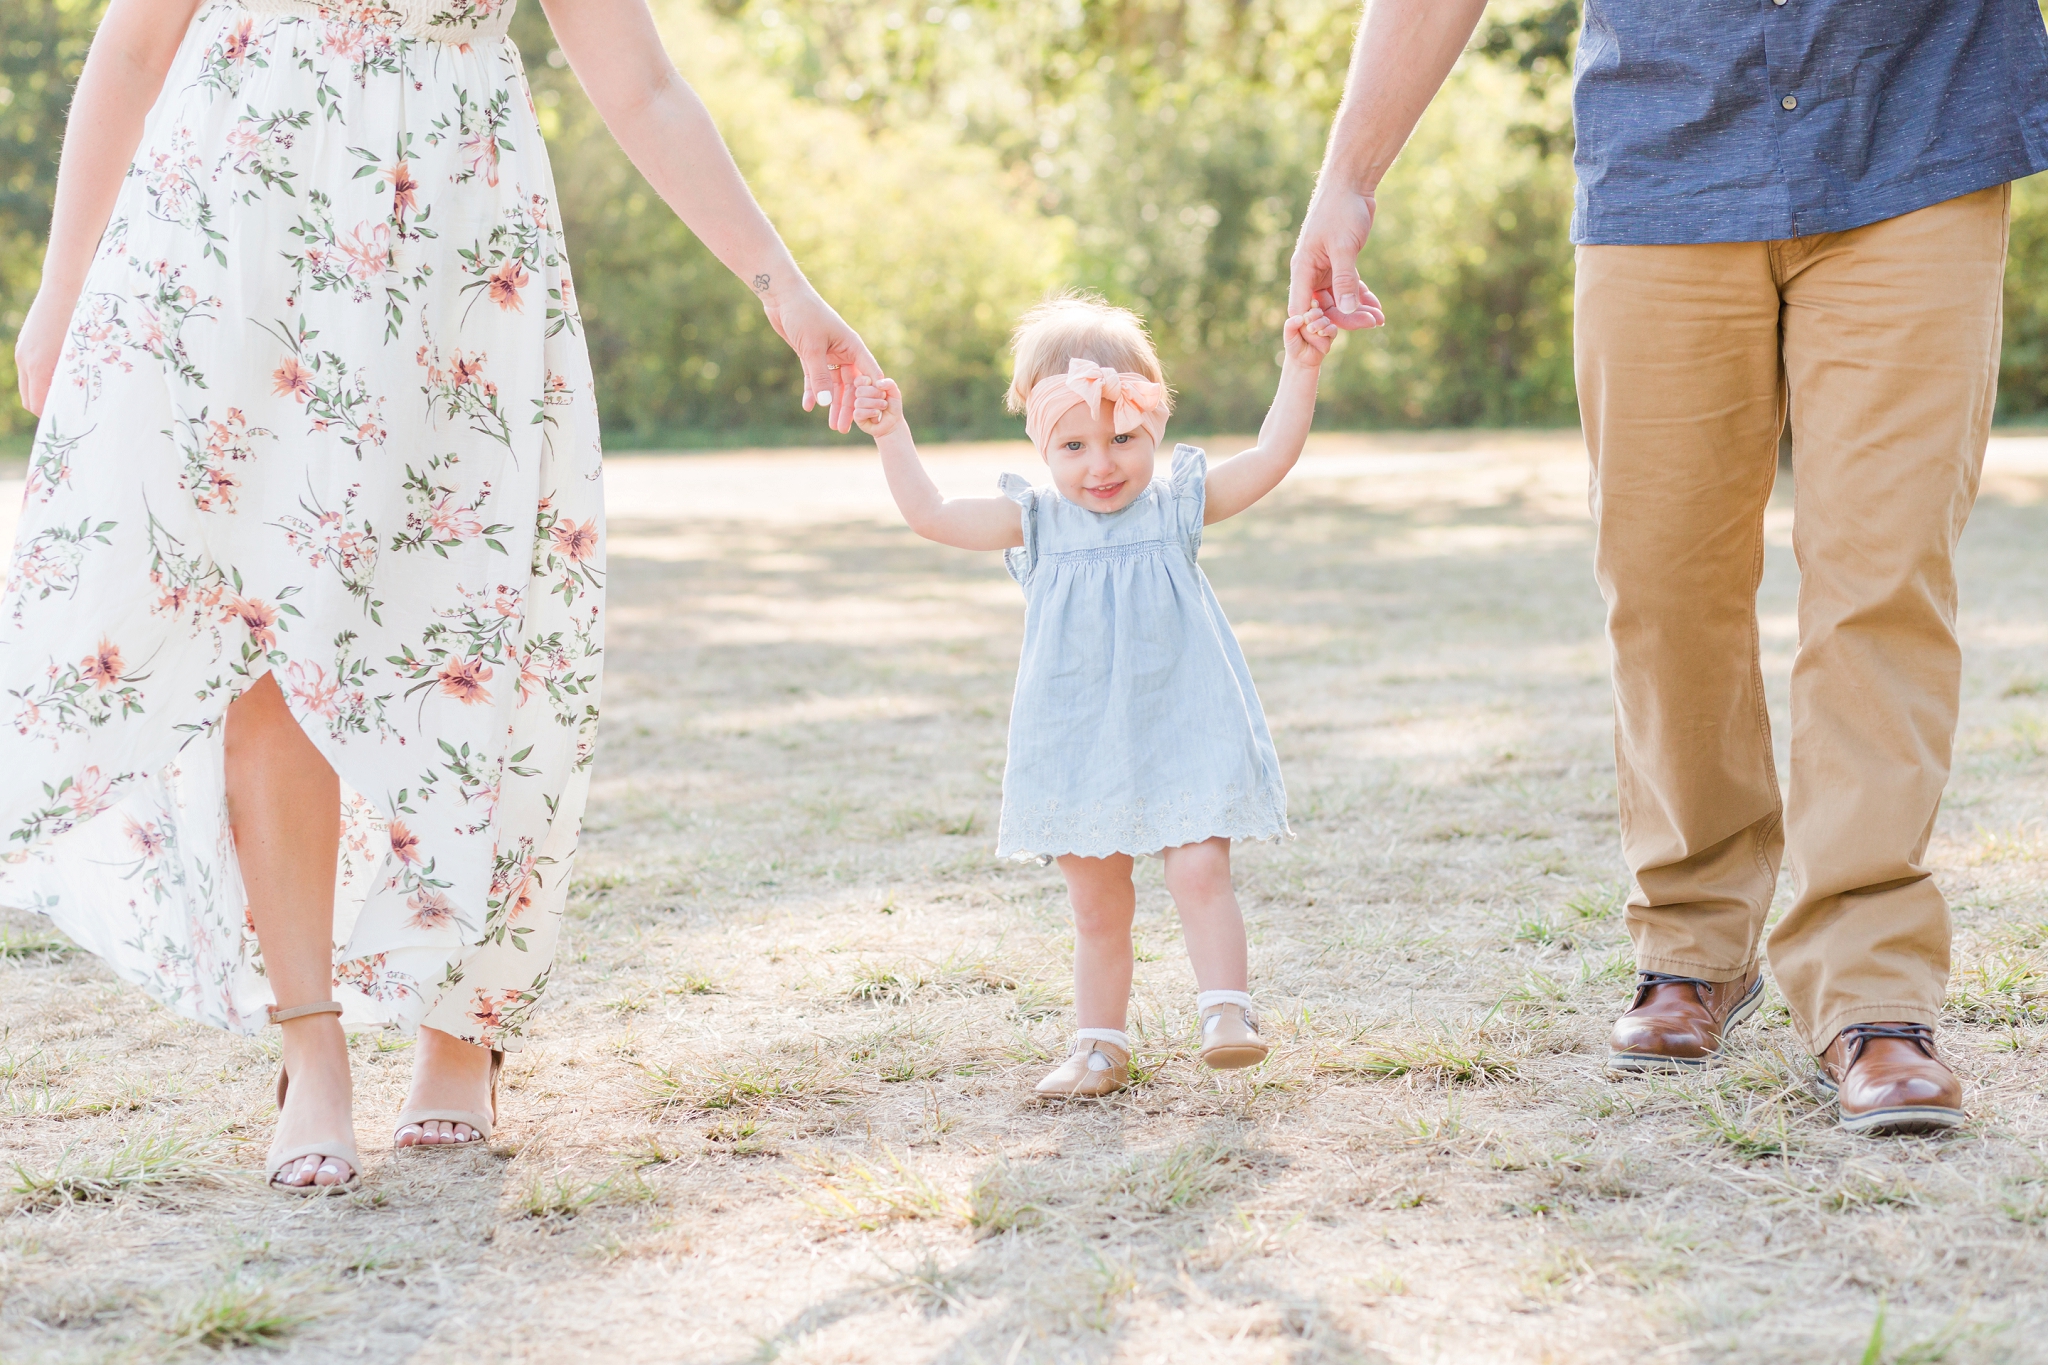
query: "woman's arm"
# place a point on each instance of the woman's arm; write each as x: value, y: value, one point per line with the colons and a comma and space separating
x: 1243, y: 479
x: 667, y: 133
x: 123, y: 73
x: 965, y: 523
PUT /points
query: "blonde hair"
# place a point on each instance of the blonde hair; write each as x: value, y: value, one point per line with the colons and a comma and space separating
x: 1078, y: 324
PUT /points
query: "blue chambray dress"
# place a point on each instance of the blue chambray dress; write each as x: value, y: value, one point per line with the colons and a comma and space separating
x: 1135, y: 726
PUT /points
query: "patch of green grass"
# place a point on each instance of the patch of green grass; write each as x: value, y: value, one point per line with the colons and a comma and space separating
x: 1541, y: 928
x: 1597, y: 903
x: 555, y: 1197
x: 2024, y: 687
x: 35, y: 942
x: 1180, y: 1177
x: 1757, y: 1134
x: 236, y: 1314
x: 690, y: 983
x: 997, y: 1202
x: 2004, y: 990
x: 867, y: 1194
x: 149, y: 1166
x: 927, y: 1285
x: 1446, y: 1059
x: 741, y: 1086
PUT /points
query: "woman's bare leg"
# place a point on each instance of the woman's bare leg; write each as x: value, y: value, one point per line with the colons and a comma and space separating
x: 447, y: 1073
x: 284, y: 803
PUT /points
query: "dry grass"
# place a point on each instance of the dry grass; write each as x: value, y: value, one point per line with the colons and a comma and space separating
x: 778, y: 1109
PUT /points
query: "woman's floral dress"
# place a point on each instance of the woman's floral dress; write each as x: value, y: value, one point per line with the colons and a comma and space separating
x: 324, y: 414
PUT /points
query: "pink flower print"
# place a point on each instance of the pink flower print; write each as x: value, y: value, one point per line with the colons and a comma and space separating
x: 505, y: 283
x: 464, y: 369
x: 237, y: 45
x: 148, y: 334
x: 147, y: 840
x: 404, y: 191
x: 102, y: 667
x: 490, y: 1007
x: 453, y: 522
x: 530, y: 682
x: 368, y: 249
x: 537, y: 209
x: 577, y: 542
x: 405, y: 845
x: 430, y: 909
x: 88, y: 794
x: 258, y: 616
x: 292, y: 378
x: 464, y: 679
x: 482, y: 151
x: 311, y: 690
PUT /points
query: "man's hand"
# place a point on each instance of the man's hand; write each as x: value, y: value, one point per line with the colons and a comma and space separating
x: 1324, y: 270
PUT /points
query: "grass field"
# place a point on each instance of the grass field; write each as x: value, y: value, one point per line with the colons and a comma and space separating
x: 778, y: 1110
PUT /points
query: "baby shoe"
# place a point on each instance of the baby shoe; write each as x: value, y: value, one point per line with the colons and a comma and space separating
x: 1099, y: 1065
x: 1230, y: 1036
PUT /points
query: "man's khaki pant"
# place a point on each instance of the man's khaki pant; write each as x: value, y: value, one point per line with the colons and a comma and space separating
x: 1885, y: 339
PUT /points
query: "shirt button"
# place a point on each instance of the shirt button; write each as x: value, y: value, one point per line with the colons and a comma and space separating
x: 1789, y: 102
x: 1778, y: 2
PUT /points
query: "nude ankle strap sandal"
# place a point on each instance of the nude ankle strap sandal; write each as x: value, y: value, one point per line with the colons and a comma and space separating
x: 1230, y: 1036
x: 481, y: 1123
x: 338, y: 1149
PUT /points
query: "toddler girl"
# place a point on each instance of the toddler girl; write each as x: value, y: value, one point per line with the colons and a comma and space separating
x: 1135, y: 727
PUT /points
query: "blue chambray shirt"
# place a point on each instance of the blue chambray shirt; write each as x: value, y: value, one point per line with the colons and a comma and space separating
x: 1753, y: 120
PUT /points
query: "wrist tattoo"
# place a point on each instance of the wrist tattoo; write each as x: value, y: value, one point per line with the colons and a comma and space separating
x: 761, y: 283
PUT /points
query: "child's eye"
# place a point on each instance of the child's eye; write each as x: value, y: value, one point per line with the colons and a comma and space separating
x: 1123, y: 438
x: 1073, y: 445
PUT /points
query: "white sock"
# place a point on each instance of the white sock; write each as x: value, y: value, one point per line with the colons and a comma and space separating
x: 1206, y: 1000
x: 1114, y: 1036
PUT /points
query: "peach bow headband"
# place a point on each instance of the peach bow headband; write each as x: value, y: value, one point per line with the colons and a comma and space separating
x: 1137, y: 401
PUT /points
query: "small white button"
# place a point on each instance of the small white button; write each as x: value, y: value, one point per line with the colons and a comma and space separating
x: 1775, y: 2
x: 1789, y: 102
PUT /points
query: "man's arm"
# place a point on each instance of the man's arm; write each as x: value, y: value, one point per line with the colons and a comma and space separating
x: 1405, y: 49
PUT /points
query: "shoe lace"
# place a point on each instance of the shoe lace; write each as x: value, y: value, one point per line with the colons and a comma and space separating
x: 1646, y: 981
x: 1855, y: 1037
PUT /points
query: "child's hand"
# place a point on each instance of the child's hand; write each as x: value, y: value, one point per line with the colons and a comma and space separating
x: 1308, y: 338
x: 877, y: 406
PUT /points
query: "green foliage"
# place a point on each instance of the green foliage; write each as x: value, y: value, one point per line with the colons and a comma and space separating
x: 42, y: 48
x: 937, y: 168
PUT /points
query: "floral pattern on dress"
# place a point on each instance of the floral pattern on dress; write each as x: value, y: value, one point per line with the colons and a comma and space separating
x: 323, y: 414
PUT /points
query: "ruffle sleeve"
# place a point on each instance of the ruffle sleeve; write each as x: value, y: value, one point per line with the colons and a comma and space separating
x: 1021, y: 560
x: 1189, y: 480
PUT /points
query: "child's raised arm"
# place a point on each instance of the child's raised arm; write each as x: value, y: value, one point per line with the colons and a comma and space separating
x: 1243, y: 479
x: 964, y: 523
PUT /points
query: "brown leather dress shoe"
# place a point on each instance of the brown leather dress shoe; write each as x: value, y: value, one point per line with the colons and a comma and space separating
x: 1678, y: 1023
x: 1888, y: 1080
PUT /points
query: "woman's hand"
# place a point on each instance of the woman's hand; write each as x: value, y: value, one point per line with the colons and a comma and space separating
x: 1309, y: 338
x: 36, y: 350
x: 877, y: 406
x: 832, y: 354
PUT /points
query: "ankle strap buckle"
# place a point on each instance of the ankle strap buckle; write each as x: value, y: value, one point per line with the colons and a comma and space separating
x: 279, y: 1016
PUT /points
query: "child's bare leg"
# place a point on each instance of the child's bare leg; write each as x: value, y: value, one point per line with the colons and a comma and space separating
x: 1198, y: 877
x: 1104, y: 904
